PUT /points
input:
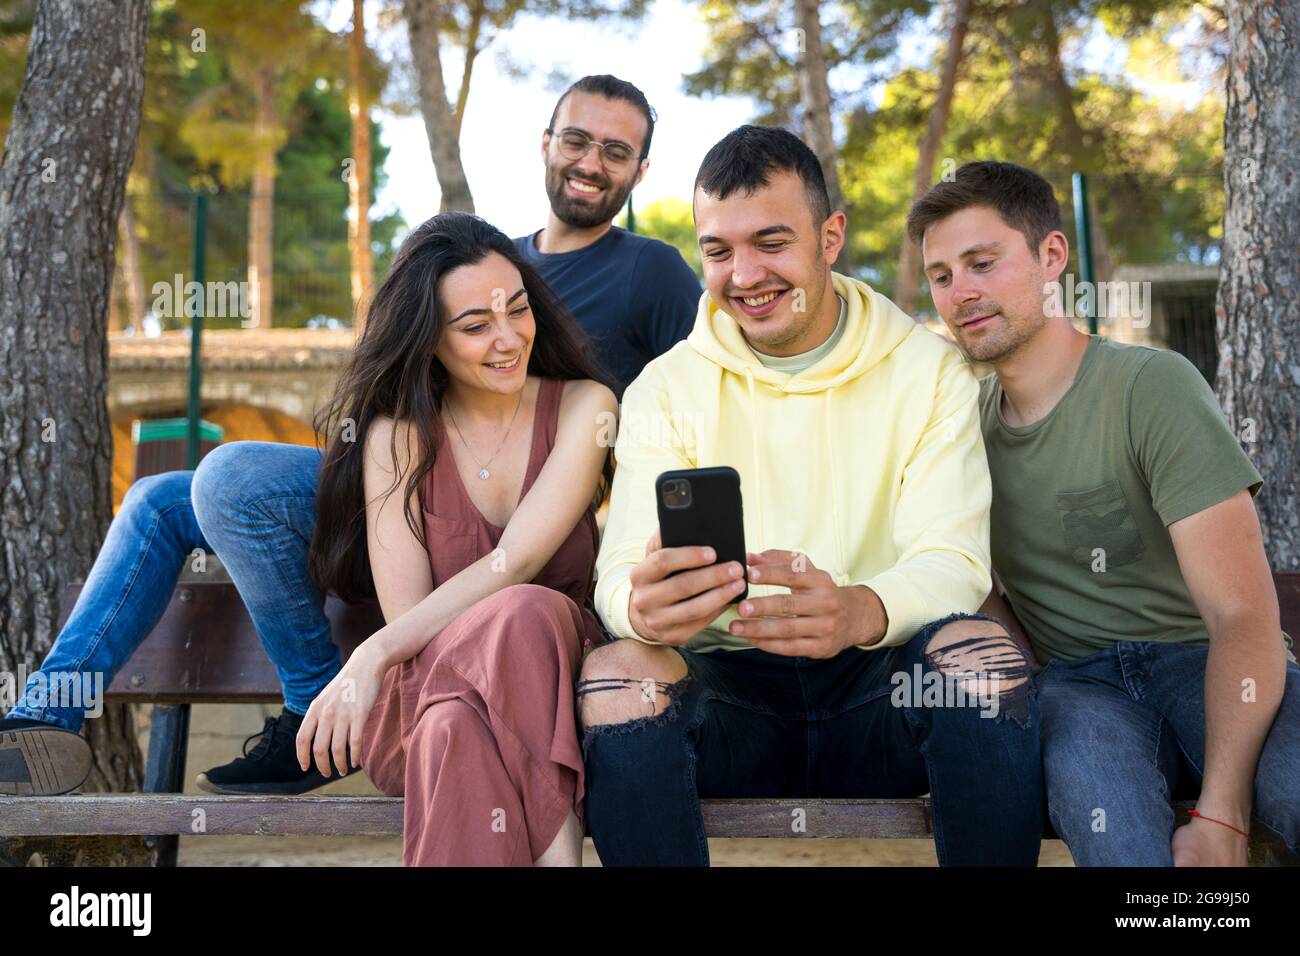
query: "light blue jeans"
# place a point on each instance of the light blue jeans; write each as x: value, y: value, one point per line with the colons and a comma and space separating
x: 1124, y: 733
x: 253, y: 504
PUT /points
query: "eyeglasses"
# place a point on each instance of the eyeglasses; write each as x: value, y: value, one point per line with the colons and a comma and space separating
x: 574, y: 145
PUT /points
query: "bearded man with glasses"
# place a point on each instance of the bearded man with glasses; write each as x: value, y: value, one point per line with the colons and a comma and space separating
x: 635, y: 296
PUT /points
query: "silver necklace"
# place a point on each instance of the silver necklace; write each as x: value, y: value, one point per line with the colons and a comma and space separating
x: 483, y: 466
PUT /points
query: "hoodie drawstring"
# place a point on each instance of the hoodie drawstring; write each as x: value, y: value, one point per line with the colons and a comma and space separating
x: 753, y: 448
x: 840, y: 575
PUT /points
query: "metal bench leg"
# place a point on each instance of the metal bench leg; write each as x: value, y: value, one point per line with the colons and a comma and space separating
x: 164, y: 772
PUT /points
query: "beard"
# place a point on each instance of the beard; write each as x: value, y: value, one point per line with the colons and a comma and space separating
x: 996, y: 344
x: 580, y: 214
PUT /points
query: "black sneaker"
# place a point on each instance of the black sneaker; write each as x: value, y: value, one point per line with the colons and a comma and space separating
x: 39, y: 759
x: 271, y: 767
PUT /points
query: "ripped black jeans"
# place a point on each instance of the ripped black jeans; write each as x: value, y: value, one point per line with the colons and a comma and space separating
x: 881, y: 724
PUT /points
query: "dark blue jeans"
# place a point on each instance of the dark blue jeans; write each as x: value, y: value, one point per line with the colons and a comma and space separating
x: 1124, y: 733
x: 749, y: 723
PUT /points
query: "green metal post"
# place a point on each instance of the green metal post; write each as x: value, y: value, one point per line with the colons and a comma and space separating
x: 631, y: 216
x: 1083, y: 229
x: 196, y: 331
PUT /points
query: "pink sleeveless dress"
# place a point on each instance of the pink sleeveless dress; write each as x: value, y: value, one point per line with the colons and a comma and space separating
x: 478, y: 731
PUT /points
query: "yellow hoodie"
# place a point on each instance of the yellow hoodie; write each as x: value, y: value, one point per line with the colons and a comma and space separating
x: 870, y: 462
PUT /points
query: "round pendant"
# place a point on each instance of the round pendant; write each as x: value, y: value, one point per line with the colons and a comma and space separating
x: 484, y: 474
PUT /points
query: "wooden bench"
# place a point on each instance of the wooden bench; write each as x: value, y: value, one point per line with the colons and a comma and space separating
x: 205, y: 650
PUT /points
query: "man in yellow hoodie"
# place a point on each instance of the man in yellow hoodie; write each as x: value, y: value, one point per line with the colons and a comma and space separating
x: 855, y: 667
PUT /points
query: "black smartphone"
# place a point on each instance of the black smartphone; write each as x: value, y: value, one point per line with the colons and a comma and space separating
x: 701, y: 507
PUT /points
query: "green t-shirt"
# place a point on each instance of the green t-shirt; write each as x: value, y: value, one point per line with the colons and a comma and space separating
x: 1082, y: 499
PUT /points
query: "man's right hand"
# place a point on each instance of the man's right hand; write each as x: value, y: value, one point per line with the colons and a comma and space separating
x: 674, y: 609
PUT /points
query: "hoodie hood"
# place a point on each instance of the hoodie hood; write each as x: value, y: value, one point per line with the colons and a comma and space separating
x: 873, y: 327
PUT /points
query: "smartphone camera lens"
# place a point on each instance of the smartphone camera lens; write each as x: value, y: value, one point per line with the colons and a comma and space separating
x: 677, y: 493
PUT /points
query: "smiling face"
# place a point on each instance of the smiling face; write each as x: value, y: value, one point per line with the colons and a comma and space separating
x: 987, y: 284
x: 585, y: 192
x: 489, y: 331
x: 767, y: 264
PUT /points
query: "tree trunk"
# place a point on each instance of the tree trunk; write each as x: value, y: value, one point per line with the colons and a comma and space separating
x: 132, y: 272
x: 471, y: 54
x: 815, y: 102
x: 1077, y: 152
x: 115, y: 300
x: 261, y: 204
x: 439, y: 124
x: 62, y: 184
x: 363, y: 269
x: 909, y: 258
x: 1259, y: 278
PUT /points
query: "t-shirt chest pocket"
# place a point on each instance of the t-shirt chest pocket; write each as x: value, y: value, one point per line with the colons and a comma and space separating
x: 1099, y: 527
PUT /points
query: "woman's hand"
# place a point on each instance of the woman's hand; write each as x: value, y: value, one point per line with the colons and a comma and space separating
x: 337, y: 717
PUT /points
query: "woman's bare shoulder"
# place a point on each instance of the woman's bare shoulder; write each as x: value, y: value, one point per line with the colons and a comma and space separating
x: 586, y: 392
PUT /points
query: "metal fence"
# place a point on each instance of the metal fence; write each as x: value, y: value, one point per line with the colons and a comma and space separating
x: 310, y: 278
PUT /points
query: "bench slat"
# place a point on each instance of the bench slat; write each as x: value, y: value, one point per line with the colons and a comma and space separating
x: 153, y: 814
x: 168, y: 814
x: 174, y: 814
x: 165, y: 813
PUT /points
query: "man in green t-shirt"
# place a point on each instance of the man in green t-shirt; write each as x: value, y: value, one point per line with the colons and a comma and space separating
x: 1128, y: 546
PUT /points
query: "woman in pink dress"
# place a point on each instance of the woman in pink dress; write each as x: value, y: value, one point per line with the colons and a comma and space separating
x: 473, y: 391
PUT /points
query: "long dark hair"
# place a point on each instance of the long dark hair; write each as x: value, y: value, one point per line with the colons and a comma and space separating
x: 394, y: 372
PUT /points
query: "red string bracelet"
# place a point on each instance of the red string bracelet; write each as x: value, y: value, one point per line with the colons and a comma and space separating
x: 1193, y: 813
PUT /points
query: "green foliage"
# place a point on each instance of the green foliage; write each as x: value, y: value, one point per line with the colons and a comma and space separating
x: 15, y: 24
x: 1025, y: 95
x: 192, y: 100
x: 753, y: 48
x: 220, y: 124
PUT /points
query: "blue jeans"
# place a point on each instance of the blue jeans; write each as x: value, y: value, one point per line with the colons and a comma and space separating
x: 748, y: 723
x: 1124, y: 733
x: 253, y: 503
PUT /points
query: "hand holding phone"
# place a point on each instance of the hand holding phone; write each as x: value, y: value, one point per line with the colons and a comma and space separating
x: 695, y: 562
x: 677, y: 592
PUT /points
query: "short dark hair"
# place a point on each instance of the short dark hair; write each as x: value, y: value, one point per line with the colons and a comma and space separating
x: 1023, y: 198
x: 746, y: 157
x: 612, y: 88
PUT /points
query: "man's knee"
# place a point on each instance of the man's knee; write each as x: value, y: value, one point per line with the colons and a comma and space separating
x: 978, y: 651
x: 627, y: 680
x: 158, y: 492
x: 233, y: 477
x: 219, y: 477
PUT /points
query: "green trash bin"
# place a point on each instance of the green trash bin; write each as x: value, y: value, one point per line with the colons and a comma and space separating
x: 160, y: 444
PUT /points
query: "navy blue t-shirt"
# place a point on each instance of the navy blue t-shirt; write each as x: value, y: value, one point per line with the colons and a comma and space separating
x: 635, y: 296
